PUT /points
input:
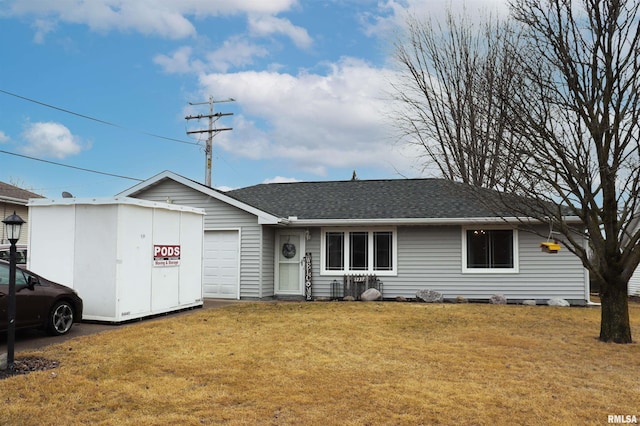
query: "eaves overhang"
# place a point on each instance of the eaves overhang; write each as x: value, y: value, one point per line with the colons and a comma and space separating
x: 295, y: 222
x: 12, y: 200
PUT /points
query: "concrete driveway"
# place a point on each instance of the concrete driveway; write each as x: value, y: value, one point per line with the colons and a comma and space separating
x: 33, y: 339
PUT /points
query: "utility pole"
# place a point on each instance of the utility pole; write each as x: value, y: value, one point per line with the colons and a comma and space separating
x: 211, y: 131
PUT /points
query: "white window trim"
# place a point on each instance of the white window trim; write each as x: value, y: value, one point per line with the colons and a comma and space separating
x: 346, y: 271
x: 516, y: 257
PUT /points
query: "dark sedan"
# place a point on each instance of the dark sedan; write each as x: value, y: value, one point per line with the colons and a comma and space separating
x: 39, y: 302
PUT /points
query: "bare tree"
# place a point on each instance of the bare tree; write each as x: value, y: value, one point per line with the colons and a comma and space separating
x: 452, y: 90
x: 550, y: 112
x: 580, y: 115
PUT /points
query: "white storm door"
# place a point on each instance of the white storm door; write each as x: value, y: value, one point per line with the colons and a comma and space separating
x: 289, y: 263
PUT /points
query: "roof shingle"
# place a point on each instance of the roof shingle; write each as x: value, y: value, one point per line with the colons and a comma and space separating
x: 367, y: 199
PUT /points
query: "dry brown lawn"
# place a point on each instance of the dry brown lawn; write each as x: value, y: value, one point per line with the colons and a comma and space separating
x: 337, y: 363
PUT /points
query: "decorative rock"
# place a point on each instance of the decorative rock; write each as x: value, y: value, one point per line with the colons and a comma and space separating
x: 461, y: 299
x: 322, y: 299
x: 429, y: 296
x: 498, y: 299
x: 370, y: 295
x: 556, y: 301
x: 348, y: 298
x: 529, y: 302
x: 401, y: 299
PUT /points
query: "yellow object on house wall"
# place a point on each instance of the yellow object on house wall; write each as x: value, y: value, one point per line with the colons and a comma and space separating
x: 550, y: 247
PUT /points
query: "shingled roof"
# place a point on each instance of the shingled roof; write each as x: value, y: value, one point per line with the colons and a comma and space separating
x: 13, y: 194
x: 367, y: 199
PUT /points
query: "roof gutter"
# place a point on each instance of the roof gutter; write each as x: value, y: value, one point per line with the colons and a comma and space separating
x: 294, y: 221
x: 13, y: 200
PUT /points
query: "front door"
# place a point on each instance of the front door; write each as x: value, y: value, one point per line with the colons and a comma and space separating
x: 289, y: 263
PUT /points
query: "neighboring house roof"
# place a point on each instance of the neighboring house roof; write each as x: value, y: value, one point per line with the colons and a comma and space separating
x: 366, y: 199
x: 14, y: 195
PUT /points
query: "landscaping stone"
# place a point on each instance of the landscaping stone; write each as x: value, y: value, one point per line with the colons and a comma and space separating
x: 28, y: 365
x: 556, y: 301
x: 429, y: 296
x: 529, y: 302
x: 370, y: 295
x: 461, y: 299
x: 401, y: 299
x: 498, y: 299
x: 348, y: 298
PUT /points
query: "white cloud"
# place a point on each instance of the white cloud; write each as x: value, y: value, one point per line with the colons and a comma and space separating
x: 179, y: 62
x: 42, y: 27
x: 392, y: 14
x: 312, y: 122
x: 224, y: 188
x: 235, y: 52
x: 3, y: 137
x: 280, y: 179
x: 166, y: 18
x: 267, y: 25
x: 50, y: 140
x: 142, y: 16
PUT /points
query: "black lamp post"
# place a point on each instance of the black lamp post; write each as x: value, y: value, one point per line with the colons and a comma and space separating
x: 13, y: 224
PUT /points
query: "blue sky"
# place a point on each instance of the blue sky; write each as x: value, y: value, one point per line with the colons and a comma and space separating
x: 310, y: 81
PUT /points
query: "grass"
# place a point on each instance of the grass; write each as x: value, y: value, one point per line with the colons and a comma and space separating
x: 337, y: 363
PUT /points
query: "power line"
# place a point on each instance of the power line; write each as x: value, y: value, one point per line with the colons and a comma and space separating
x: 107, y: 123
x: 71, y: 167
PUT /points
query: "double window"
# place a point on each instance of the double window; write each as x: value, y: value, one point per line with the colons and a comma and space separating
x: 489, y: 250
x: 358, y: 251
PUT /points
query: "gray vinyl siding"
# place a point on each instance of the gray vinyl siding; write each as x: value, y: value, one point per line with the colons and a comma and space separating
x: 431, y: 258
x: 268, y: 261
x: 221, y: 216
x: 634, y: 283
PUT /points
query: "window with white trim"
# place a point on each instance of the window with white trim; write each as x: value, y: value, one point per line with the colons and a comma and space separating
x: 334, y: 242
x: 489, y: 250
x: 356, y: 250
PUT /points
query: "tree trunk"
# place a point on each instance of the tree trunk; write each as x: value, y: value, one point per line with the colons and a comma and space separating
x: 614, y: 323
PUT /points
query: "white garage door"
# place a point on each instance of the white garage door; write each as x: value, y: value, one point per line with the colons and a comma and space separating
x: 221, y: 264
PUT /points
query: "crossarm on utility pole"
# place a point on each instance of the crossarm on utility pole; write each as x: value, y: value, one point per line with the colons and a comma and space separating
x: 208, y: 131
x: 211, y: 131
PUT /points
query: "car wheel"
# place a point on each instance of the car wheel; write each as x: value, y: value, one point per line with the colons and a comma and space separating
x: 60, y: 318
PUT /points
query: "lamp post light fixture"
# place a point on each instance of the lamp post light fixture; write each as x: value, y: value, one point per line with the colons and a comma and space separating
x: 13, y: 224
